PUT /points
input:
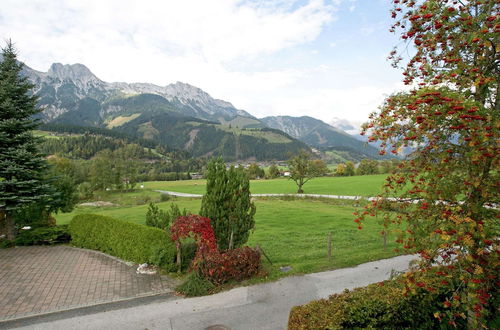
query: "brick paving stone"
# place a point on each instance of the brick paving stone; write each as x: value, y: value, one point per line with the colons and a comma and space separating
x: 43, y: 279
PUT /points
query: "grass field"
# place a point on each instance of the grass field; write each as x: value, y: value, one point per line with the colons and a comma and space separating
x: 366, y: 185
x: 291, y: 232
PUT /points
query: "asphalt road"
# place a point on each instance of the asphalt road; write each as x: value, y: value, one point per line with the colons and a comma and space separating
x: 262, y: 306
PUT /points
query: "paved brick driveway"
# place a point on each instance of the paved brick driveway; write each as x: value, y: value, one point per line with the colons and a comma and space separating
x: 40, y: 279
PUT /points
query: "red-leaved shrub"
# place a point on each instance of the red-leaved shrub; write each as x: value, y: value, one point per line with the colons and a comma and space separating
x: 238, y: 264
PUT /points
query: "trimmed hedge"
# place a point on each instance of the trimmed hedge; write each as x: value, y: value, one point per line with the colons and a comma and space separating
x: 377, y: 306
x: 125, y: 240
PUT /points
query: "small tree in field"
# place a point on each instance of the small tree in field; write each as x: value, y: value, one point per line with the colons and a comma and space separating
x: 228, y: 204
x: 273, y: 171
x: 451, y: 119
x: 303, y: 168
x: 22, y: 167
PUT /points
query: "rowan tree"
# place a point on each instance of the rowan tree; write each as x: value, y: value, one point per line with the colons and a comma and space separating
x: 227, y: 202
x: 451, y: 119
x: 22, y: 167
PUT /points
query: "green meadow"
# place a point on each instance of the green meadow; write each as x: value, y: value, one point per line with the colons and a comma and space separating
x: 364, y: 185
x: 292, y: 232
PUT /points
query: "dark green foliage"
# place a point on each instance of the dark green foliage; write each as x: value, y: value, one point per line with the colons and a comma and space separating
x: 125, y: 240
x: 273, y: 172
x: 195, y: 285
x: 155, y: 217
x: 209, y: 137
x: 255, y: 172
x: 228, y: 204
x: 164, y: 197
x: 188, y: 252
x: 367, y: 167
x: 22, y: 167
x: 379, y: 306
x: 87, y: 146
x: 115, y: 169
x: 44, y: 236
x: 98, y: 131
x: 87, y: 111
x: 303, y: 168
x: 5, y: 243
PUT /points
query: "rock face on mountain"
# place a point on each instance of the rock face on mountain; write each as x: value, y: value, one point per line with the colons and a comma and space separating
x: 63, y: 87
x: 320, y: 135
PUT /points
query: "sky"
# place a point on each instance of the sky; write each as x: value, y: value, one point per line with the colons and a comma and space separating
x: 320, y: 58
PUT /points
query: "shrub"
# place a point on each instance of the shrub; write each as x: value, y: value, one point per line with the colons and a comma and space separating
x: 164, y: 197
x: 43, y: 236
x: 221, y: 267
x: 162, y: 219
x: 5, y: 243
x: 384, y: 305
x: 188, y: 252
x: 195, y: 285
x: 227, y: 202
x: 142, y: 199
x: 125, y: 240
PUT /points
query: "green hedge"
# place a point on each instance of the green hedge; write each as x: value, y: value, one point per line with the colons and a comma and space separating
x: 125, y: 240
x: 372, y: 307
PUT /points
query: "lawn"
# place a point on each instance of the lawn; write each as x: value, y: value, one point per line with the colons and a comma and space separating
x: 291, y: 232
x: 366, y: 185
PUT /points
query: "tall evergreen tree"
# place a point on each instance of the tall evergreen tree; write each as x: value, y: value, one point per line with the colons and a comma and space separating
x: 22, y: 167
x: 228, y: 204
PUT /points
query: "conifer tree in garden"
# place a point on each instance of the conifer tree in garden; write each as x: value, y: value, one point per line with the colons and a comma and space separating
x: 227, y: 202
x: 451, y: 117
x: 22, y: 167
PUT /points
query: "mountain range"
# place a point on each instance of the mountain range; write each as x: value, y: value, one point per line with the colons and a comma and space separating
x: 181, y: 116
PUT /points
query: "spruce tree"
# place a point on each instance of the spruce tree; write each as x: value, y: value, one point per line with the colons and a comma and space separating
x: 228, y: 204
x: 22, y: 167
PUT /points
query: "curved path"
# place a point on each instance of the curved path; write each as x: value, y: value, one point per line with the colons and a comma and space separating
x: 179, y: 194
x: 262, y: 306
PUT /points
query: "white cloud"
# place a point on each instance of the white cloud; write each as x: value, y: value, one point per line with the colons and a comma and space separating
x: 209, y: 32
x: 197, y: 41
x: 354, y: 103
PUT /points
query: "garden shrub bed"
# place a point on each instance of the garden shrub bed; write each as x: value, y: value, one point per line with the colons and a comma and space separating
x: 122, y: 239
x: 231, y: 265
x: 377, y: 306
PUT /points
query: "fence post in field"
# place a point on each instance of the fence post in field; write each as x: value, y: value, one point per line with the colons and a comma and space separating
x: 330, y: 245
x: 258, y: 248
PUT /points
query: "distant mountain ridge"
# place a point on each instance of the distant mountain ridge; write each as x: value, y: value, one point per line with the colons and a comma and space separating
x: 63, y: 86
x: 181, y: 116
x: 319, y: 134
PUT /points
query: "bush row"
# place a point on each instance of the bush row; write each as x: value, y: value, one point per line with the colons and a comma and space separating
x: 377, y: 306
x: 125, y: 240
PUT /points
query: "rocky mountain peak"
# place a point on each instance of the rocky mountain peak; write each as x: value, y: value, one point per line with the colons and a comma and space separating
x: 185, y: 91
x: 73, y: 72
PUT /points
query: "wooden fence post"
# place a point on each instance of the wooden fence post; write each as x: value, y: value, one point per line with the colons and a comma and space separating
x: 330, y: 245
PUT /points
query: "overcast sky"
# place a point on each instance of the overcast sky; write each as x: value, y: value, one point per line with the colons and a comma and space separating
x: 321, y: 58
